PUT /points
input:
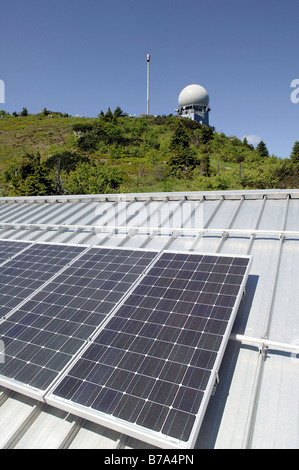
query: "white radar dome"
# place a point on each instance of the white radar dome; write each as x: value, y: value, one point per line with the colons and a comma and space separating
x: 193, y: 94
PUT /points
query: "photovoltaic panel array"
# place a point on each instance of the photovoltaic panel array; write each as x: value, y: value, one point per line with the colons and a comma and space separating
x: 44, y: 333
x: 151, y: 368
x: 9, y: 249
x: 21, y: 276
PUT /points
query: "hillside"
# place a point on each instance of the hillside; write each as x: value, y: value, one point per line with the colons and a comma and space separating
x: 51, y: 153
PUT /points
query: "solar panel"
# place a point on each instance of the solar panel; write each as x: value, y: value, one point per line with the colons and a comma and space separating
x: 20, y: 278
x: 9, y: 249
x: 22, y: 275
x: 43, y: 334
x: 151, y: 369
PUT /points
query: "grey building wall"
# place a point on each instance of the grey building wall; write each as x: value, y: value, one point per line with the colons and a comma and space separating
x: 196, y: 113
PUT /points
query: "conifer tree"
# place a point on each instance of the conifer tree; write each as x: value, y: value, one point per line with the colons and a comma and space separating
x: 118, y: 112
x: 24, y: 112
x: 262, y: 149
x: 295, y: 152
x: 206, y: 134
x: 108, y: 116
x: 183, y: 159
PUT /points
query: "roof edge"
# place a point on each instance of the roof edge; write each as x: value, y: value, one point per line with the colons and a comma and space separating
x: 231, y: 194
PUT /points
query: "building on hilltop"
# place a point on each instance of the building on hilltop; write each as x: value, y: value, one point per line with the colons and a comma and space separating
x: 194, y: 104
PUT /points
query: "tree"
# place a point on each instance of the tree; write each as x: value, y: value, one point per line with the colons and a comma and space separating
x: 295, y: 152
x: 205, y: 164
x: 36, y: 184
x: 247, y: 145
x: 206, y: 134
x: 3, y: 113
x: 30, y: 178
x: 29, y: 165
x: 82, y: 127
x: 63, y: 162
x: 180, y: 139
x: 118, y: 112
x: 108, y: 116
x: 24, y: 112
x: 262, y: 149
x: 89, y: 178
x: 89, y: 140
x: 183, y: 159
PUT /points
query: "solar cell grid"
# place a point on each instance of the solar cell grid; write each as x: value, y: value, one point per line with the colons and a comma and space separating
x: 46, y: 331
x: 9, y: 249
x: 27, y: 272
x: 151, y: 363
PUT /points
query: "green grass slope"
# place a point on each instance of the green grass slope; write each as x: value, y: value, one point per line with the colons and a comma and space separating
x: 128, y: 154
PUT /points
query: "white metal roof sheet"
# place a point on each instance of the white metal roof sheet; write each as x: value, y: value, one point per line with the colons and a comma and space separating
x: 256, y: 402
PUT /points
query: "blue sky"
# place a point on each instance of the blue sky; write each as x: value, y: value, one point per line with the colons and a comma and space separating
x: 81, y: 57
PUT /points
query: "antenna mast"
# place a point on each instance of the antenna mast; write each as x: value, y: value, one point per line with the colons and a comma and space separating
x: 147, y: 99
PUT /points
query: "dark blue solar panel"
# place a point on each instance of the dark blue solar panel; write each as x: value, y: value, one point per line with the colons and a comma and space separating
x: 42, y: 335
x: 152, y: 362
x: 28, y: 271
x: 10, y: 248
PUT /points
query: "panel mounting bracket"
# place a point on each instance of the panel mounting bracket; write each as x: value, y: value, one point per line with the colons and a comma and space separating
x: 217, y: 380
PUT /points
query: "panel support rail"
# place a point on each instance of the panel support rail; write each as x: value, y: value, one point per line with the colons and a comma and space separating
x: 191, y: 230
x: 265, y: 342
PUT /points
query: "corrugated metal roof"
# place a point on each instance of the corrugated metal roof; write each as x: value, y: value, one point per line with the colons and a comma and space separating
x: 255, y: 404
